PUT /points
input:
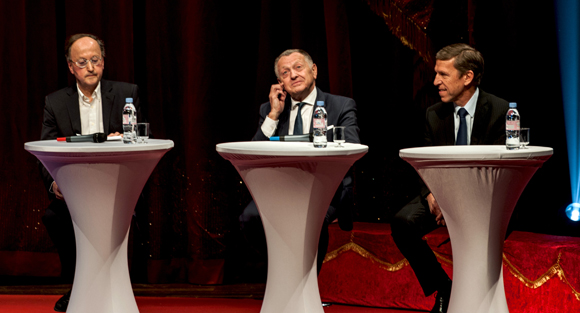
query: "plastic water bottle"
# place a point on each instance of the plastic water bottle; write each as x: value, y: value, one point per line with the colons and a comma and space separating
x: 319, y: 125
x: 129, y: 122
x: 512, y: 127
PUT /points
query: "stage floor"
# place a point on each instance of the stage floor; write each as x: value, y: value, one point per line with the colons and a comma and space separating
x: 45, y: 303
x: 170, y: 298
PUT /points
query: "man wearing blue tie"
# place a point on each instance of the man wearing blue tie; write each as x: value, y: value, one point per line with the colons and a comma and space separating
x: 289, y: 111
x: 466, y: 115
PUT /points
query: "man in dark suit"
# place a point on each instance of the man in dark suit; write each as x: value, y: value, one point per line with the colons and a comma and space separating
x: 284, y: 115
x: 466, y: 115
x: 92, y: 105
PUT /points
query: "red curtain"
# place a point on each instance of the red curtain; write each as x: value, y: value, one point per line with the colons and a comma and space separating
x: 204, y: 67
x: 28, y: 53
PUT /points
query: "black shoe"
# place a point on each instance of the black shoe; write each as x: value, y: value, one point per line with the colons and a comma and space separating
x: 441, y: 302
x: 62, y: 303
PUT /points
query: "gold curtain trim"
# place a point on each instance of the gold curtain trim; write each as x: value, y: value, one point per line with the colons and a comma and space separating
x: 554, y: 270
x: 351, y: 246
x: 443, y: 260
x: 409, y: 32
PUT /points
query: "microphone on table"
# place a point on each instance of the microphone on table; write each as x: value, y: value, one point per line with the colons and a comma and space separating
x: 96, y: 137
x: 305, y: 137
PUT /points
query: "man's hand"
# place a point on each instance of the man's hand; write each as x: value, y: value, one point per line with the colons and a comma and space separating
x: 435, y: 209
x: 115, y: 134
x: 56, y: 191
x: 277, y: 97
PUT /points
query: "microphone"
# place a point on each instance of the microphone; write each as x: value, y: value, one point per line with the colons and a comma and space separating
x: 305, y: 137
x: 96, y: 137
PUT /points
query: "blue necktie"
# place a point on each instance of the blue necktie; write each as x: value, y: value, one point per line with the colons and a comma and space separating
x: 462, y: 133
x: 298, y: 126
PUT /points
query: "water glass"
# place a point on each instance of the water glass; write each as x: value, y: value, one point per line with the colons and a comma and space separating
x: 524, y: 137
x: 142, y: 132
x: 338, y: 136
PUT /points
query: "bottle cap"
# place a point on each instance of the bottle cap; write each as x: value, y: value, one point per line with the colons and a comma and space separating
x: 129, y: 100
x: 513, y: 105
x: 320, y: 103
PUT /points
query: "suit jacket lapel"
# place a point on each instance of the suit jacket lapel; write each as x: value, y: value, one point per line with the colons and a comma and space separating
x: 107, y: 104
x: 482, y: 116
x: 74, y: 112
x: 284, y: 124
x: 449, y: 124
x: 285, y: 117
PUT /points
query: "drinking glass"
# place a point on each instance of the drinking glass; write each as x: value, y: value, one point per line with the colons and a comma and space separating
x: 524, y: 137
x: 338, y: 136
x: 142, y: 132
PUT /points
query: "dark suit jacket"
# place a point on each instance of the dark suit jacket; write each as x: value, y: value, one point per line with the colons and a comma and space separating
x: 488, y: 125
x: 62, y: 115
x: 341, y: 112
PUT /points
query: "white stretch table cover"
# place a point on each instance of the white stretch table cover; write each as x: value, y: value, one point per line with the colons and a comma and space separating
x: 477, y: 188
x: 292, y: 184
x: 101, y: 183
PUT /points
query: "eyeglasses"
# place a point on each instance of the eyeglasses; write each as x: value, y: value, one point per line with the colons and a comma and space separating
x: 82, y: 62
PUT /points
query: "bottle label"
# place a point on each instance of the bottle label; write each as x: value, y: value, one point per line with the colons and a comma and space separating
x: 318, y: 123
x: 512, y: 125
x: 126, y: 119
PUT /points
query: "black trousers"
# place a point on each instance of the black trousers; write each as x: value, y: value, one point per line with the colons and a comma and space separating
x: 58, y: 224
x: 253, y: 230
x: 408, y: 227
x: 60, y: 229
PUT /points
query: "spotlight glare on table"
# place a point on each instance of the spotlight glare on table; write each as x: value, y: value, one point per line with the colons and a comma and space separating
x: 573, y: 211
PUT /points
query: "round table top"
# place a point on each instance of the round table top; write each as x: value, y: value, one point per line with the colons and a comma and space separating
x: 476, y: 152
x: 91, y: 147
x: 276, y: 148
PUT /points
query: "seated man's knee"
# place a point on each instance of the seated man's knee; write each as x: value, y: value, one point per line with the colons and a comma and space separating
x: 406, y: 221
x: 401, y: 220
x: 250, y: 215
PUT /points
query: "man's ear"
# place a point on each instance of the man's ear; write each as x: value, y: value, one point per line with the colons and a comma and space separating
x: 314, y: 70
x: 70, y: 67
x: 468, y: 78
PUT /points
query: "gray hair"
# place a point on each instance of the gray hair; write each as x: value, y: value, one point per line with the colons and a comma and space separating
x: 288, y: 52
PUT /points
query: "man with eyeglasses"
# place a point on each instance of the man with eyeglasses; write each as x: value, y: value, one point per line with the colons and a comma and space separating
x: 92, y: 105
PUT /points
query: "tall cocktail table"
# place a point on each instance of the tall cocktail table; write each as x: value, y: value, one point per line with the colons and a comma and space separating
x: 292, y: 184
x: 101, y: 183
x: 477, y: 188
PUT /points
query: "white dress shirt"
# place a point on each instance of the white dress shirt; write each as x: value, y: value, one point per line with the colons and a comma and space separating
x: 91, y: 112
x: 470, y: 107
x: 91, y: 115
x: 269, y: 126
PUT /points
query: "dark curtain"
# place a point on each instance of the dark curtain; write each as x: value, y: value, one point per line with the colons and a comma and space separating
x: 204, y: 67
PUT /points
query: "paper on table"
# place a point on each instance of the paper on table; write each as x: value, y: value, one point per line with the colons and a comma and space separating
x: 114, y: 137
